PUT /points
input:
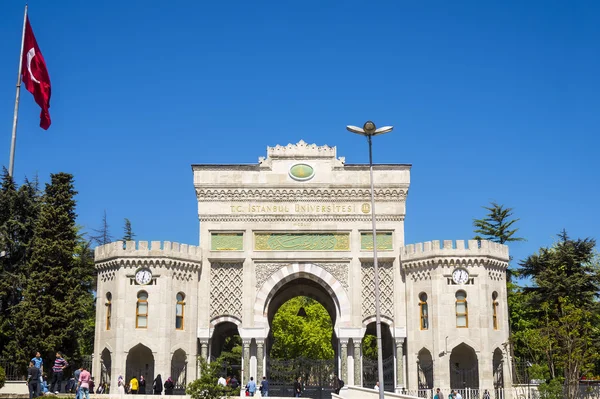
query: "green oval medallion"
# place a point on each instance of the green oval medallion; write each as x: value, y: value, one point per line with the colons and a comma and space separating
x: 302, y: 171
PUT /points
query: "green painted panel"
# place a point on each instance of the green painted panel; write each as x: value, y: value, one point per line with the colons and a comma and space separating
x: 227, y: 241
x: 302, y: 241
x: 384, y: 241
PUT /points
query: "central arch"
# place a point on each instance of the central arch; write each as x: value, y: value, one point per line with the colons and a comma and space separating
x: 320, y: 281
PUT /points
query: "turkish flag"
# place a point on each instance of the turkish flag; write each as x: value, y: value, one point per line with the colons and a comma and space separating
x: 35, y: 75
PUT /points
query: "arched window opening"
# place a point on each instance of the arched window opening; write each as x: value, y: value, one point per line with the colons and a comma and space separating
x: 495, y: 309
x: 462, y: 313
x: 179, y: 310
x: 423, y: 311
x: 108, y: 309
x: 141, y: 310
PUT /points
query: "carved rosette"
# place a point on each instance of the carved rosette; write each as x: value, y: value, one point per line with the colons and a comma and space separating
x: 386, y: 289
x: 226, y: 289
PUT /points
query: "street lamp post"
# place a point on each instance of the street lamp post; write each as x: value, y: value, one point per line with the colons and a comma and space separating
x: 369, y: 130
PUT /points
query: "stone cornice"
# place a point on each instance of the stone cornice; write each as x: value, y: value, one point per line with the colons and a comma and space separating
x: 271, y: 218
x: 167, y: 254
x: 430, y: 254
x: 301, y: 194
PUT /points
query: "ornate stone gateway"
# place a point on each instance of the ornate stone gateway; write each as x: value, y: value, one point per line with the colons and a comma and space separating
x: 298, y: 223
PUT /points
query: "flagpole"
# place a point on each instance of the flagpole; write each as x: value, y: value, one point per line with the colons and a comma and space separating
x: 13, y: 142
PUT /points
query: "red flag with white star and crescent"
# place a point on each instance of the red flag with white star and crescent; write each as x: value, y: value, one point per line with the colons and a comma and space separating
x: 35, y: 75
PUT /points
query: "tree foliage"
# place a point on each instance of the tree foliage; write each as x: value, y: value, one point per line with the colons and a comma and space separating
x: 564, y: 313
x: 102, y: 235
x: 296, y: 336
x: 206, y: 386
x: 127, y: 231
x: 56, y: 280
x: 497, y: 225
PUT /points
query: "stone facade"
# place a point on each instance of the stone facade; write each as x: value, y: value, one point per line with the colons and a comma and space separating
x: 299, y: 223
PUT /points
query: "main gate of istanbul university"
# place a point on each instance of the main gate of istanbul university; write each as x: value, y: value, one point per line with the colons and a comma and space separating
x: 299, y: 223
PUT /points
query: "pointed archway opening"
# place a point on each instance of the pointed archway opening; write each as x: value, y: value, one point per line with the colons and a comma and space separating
x: 179, y: 371
x: 301, y: 341
x: 370, y: 364
x: 464, y: 368
x: 226, y: 350
x: 140, y: 362
x: 498, y: 370
x: 105, y: 369
x: 425, y: 369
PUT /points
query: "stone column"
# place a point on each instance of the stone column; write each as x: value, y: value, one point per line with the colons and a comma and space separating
x: 357, y: 363
x: 203, y: 355
x: 246, y: 361
x: 400, y: 362
x: 344, y: 356
x: 260, y: 355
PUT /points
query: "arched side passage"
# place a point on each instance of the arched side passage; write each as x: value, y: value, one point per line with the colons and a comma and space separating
x: 308, y: 271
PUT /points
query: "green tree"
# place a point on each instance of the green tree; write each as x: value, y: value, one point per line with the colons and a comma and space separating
x: 102, y: 235
x: 302, y: 336
x: 19, y: 209
x: 564, y: 310
x: 127, y: 231
x: 206, y: 386
x: 56, y: 299
x: 497, y: 225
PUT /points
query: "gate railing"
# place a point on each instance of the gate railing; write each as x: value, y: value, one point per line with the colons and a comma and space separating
x: 316, y: 377
x: 371, y: 374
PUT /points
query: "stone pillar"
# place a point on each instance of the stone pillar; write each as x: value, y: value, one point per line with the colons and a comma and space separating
x: 203, y: 355
x: 357, y: 362
x: 399, y: 362
x: 260, y: 357
x: 246, y: 360
x: 344, y: 356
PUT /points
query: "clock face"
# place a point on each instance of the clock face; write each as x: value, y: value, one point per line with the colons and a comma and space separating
x: 460, y: 276
x: 143, y: 276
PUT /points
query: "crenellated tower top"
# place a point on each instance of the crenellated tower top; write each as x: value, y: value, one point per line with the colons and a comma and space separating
x: 454, y: 252
x: 167, y: 250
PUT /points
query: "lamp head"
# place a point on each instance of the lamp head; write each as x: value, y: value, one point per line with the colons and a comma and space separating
x: 369, y: 127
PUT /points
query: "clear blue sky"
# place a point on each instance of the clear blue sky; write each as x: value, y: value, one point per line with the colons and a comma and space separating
x: 494, y: 100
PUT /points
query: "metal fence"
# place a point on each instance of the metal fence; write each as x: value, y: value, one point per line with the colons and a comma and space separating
x: 12, y: 371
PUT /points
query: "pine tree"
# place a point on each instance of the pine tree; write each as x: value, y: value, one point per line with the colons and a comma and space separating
x: 56, y: 299
x: 496, y: 226
x: 18, y: 212
x: 102, y: 235
x: 127, y: 231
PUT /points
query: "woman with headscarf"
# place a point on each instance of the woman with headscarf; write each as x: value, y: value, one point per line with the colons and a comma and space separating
x: 121, y: 385
x: 158, y: 385
x: 169, y: 386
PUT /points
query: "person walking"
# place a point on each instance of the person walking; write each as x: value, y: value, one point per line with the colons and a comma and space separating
x: 251, y: 386
x: 75, y: 384
x: 157, y: 387
x: 134, y: 385
x: 83, y: 384
x: 33, y: 381
x: 60, y: 365
x: 169, y: 385
x: 264, y: 387
x: 142, y: 389
x: 121, y: 385
x: 486, y: 394
x: 298, y: 387
x: 438, y: 394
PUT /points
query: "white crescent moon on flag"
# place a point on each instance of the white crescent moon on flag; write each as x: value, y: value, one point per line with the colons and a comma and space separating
x: 30, y: 55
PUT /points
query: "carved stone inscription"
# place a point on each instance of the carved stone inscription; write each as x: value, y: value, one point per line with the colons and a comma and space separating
x: 302, y: 241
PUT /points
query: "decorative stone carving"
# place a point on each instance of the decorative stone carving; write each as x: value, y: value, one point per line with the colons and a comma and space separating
x: 384, y: 241
x: 386, y: 289
x: 227, y: 242
x: 226, y: 289
x: 266, y: 270
x: 339, y: 271
x: 299, y: 195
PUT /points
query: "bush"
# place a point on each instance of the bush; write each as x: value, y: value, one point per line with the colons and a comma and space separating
x: 206, y: 386
x: 552, y: 390
x: 2, y: 377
